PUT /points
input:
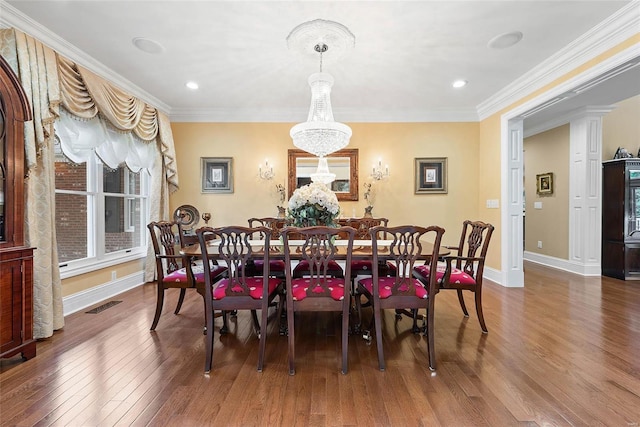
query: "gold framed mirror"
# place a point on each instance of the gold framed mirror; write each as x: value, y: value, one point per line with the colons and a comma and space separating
x: 343, y: 163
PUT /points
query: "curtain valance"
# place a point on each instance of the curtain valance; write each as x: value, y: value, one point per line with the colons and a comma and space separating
x: 80, y: 138
x: 56, y: 80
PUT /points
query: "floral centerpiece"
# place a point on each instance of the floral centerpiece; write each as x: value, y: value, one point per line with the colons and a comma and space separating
x: 313, y: 204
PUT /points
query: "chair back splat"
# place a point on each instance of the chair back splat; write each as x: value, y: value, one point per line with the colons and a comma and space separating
x: 319, y: 289
x: 275, y: 225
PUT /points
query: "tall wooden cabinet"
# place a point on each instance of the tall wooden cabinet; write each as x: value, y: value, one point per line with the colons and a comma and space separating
x: 16, y: 260
x: 621, y: 219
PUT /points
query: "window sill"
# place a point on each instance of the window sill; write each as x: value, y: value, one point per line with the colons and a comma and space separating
x: 76, y: 268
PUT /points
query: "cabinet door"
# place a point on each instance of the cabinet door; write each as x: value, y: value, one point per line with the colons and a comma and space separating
x: 633, y: 204
x: 632, y: 261
x: 10, y: 304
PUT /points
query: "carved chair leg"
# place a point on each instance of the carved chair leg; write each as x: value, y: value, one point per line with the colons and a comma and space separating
x: 263, y: 339
x: 209, y: 342
x: 291, y: 337
x: 478, y: 293
x: 414, y: 327
x: 430, y: 338
x: 461, y: 299
x: 159, y: 303
x: 358, y: 309
x: 256, y: 323
x: 345, y: 337
x: 378, y: 326
x: 225, y: 325
x: 183, y: 291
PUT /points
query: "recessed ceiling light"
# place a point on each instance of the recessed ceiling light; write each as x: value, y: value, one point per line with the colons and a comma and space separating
x: 147, y: 45
x: 192, y: 85
x: 505, y: 40
x: 459, y: 83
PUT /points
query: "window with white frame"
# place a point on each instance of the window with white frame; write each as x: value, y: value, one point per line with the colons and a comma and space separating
x: 101, y: 213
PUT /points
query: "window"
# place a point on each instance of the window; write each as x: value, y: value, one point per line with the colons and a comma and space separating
x: 101, y: 214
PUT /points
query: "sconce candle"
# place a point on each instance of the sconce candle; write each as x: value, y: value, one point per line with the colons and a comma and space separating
x: 378, y: 173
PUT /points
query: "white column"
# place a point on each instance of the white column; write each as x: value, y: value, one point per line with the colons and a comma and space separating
x: 585, y: 172
x: 512, y: 224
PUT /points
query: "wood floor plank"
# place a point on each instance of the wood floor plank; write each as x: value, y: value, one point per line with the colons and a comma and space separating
x: 563, y: 350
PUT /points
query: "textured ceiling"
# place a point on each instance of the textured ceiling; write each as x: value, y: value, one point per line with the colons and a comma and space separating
x: 406, y: 54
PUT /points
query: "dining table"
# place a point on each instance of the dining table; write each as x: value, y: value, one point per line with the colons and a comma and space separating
x: 362, y: 249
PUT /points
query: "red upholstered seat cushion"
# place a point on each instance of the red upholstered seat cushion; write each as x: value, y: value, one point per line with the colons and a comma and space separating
x: 300, y: 286
x: 303, y: 267
x: 180, y: 275
x: 253, y: 283
x: 386, y: 283
x: 457, y: 276
x: 275, y: 265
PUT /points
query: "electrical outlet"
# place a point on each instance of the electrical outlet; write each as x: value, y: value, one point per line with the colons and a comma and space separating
x: 539, y: 244
x: 114, y: 275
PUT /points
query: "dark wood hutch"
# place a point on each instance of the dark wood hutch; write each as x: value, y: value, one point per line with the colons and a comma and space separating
x: 621, y: 219
x: 16, y: 259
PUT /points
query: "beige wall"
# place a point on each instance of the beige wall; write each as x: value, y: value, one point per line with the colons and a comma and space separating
x: 398, y: 144
x: 547, y: 152
x: 621, y: 128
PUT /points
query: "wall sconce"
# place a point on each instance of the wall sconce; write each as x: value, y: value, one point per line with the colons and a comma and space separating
x: 379, y: 173
x: 266, y: 171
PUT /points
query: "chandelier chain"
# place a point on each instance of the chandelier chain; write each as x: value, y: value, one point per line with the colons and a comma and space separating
x: 321, y: 48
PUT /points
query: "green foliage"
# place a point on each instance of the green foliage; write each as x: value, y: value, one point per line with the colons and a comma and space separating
x: 312, y: 215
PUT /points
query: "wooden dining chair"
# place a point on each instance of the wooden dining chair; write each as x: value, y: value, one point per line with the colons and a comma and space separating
x: 319, y: 290
x: 238, y: 291
x: 463, y: 270
x: 174, y: 270
x: 401, y: 290
x: 276, y: 267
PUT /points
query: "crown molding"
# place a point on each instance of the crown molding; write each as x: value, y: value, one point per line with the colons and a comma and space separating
x: 11, y: 17
x: 609, y: 33
x: 248, y: 115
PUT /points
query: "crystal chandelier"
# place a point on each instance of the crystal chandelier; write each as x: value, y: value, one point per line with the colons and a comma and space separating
x: 320, y: 135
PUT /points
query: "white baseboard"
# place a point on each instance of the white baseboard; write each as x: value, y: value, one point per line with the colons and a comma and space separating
x: 493, y: 275
x: 563, y: 264
x: 89, y: 297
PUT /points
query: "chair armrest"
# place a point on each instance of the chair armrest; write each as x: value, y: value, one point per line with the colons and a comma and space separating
x: 170, y: 256
x: 458, y: 260
x: 449, y: 258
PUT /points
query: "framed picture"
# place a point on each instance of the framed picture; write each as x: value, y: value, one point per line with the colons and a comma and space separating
x: 431, y: 175
x: 216, y: 174
x: 544, y: 183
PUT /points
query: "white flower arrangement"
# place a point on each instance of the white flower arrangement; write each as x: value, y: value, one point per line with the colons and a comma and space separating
x: 313, y: 204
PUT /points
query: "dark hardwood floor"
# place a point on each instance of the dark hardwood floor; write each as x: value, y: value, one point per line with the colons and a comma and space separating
x: 563, y: 350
